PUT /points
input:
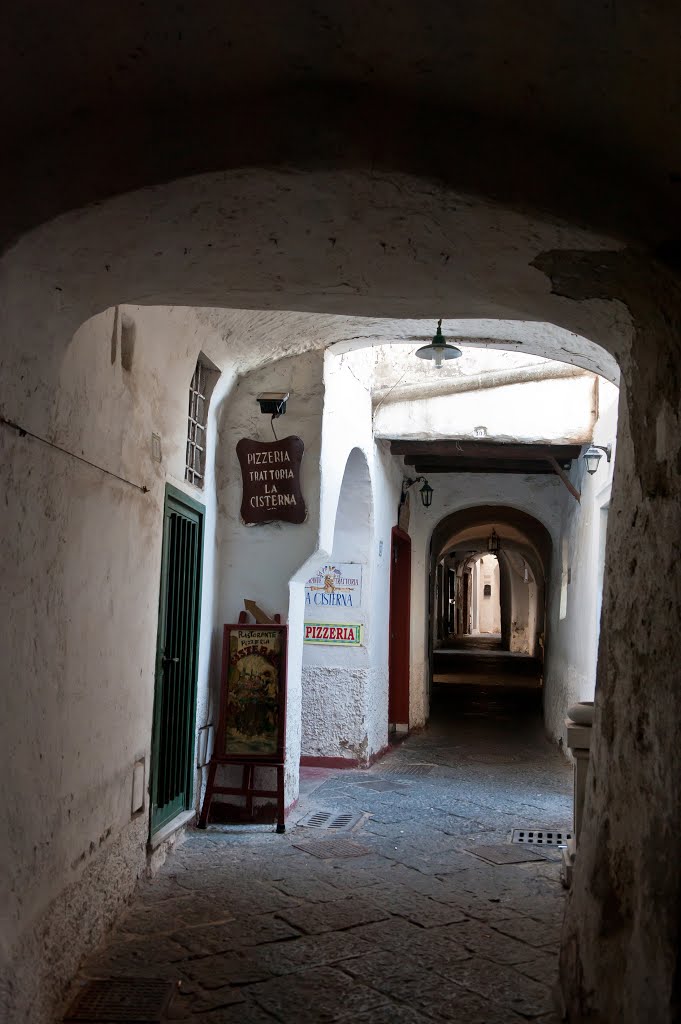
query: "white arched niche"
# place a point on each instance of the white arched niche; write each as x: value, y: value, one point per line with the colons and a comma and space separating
x: 344, y: 695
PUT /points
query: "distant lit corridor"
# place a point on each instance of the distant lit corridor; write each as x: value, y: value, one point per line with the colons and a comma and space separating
x: 483, y: 662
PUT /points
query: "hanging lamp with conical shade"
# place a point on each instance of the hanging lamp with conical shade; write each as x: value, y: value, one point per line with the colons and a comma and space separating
x: 439, y: 349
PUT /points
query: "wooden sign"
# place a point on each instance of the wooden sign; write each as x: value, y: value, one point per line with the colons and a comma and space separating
x: 270, y: 477
x: 337, y: 634
x: 252, y: 724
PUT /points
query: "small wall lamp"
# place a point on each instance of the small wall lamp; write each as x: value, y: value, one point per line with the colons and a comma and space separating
x: 592, y: 456
x: 493, y: 543
x: 426, y: 491
x: 273, y: 403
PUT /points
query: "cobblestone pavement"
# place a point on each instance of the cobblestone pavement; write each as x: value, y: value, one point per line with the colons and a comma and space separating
x: 420, y: 924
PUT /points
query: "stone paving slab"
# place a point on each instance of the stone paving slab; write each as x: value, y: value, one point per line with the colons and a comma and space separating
x: 332, y: 917
x: 327, y: 948
x: 246, y: 1012
x: 391, y: 1013
x: 221, y: 938
x: 379, y: 966
x: 419, y: 909
x: 532, y: 932
x: 478, y: 937
x: 231, y: 968
x: 502, y: 985
x: 543, y: 968
x: 446, y: 1001
x: 400, y: 936
x: 163, y: 916
x: 320, y: 995
x: 498, y: 854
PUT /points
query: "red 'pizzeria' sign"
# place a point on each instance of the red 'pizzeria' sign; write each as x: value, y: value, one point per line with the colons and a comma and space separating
x: 270, y: 475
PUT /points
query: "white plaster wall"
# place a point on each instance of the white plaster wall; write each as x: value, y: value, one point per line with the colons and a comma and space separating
x: 557, y: 411
x: 81, y: 623
x: 489, y: 614
x: 345, y: 690
x: 258, y: 562
x: 353, y: 542
x: 572, y: 646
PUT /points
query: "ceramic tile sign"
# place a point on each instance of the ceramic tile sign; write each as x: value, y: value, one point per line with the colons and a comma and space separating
x: 337, y: 634
x: 334, y: 586
x: 270, y: 478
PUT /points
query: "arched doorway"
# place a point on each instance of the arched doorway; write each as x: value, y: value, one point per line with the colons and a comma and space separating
x: 478, y: 555
x: 522, y: 552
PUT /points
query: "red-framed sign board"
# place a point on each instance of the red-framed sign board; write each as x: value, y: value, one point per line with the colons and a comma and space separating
x: 252, y: 723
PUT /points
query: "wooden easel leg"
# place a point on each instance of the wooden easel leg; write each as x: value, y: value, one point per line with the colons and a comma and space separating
x: 203, y: 820
x: 281, y: 826
x: 248, y: 786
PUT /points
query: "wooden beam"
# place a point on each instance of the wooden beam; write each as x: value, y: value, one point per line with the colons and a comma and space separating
x: 565, y: 478
x: 482, y: 466
x: 484, y: 449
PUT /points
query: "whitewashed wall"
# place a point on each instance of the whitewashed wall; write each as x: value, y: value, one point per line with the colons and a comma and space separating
x: 488, y: 617
x: 83, y: 573
x: 257, y: 562
x: 561, y: 411
x: 577, y: 577
x: 345, y: 690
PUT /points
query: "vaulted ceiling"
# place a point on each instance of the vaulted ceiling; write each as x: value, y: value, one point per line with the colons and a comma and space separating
x: 567, y: 108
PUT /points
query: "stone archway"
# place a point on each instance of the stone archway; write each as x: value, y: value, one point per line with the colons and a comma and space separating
x: 524, y: 540
x: 264, y: 240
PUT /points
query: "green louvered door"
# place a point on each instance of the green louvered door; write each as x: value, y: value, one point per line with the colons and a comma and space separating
x: 176, y: 659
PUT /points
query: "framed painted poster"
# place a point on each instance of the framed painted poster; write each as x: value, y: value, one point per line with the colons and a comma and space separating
x: 252, y: 722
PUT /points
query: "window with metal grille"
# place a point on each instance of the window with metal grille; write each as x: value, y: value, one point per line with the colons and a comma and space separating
x: 199, y: 396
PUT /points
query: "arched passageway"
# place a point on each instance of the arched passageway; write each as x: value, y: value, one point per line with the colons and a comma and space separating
x: 519, y: 269
x: 521, y: 548
x: 478, y: 554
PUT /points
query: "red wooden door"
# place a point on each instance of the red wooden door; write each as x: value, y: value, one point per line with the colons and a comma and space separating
x: 398, y: 658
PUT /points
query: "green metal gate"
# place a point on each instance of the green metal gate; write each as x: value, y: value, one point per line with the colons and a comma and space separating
x: 176, y: 658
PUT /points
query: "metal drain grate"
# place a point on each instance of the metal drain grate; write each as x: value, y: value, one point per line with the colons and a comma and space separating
x: 330, y: 849
x: 142, y: 1000
x: 541, y: 836
x: 334, y: 821
x: 406, y: 769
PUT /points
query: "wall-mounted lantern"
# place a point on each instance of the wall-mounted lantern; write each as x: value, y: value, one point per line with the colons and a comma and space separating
x: 273, y: 403
x: 426, y: 491
x: 493, y: 543
x: 592, y: 456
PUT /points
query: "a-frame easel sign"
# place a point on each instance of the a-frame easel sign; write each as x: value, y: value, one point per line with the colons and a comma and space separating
x: 251, y: 728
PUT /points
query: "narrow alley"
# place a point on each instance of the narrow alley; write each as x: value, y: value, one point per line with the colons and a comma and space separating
x: 481, y: 661
x: 423, y: 911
